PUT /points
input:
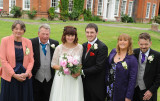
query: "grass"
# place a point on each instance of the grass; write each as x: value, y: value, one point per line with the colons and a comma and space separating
x: 107, y: 34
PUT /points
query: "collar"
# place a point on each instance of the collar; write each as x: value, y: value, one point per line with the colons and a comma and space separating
x: 146, y: 53
x: 93, y: 41
x: 41, y: 42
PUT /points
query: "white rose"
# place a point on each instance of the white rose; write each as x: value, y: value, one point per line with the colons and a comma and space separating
x: 27, y: 51
x: 95, y: 46
x: 124, y: 64
x: 53, y: 45
x: 150, y: 58
x: 70, y: 64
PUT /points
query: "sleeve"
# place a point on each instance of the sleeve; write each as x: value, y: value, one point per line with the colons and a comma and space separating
x: 156, y: 82
x: 31, y: 60
x: 55, y: 58
x: 100, y: 62
x: 4, y: 61
x: 81, y: 53
x: 132, y: 77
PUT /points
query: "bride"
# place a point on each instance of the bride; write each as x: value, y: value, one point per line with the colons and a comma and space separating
x: 66, y: 87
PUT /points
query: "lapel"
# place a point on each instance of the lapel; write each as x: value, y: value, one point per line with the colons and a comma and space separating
x: 112, y: 54
x: 148, y: 65
x: 91, y: 50
x: 12, y: 48
x: 51, y: 49
x: 84, y: 52
x: 37, y: 48
x: 136, y: 53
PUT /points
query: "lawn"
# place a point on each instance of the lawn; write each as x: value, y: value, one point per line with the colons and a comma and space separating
x: 107, y: 34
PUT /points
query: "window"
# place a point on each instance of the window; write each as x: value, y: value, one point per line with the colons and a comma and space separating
x: 130, y: 6
x: 26, y: 4
x: 153, y: 11
x: 148, y: 10
x: 116, y: 8
x: 13, y: 3
x: 89, y: 4
x: 99, y: 7
x: 123, y: 7
x: 54, y: 3
x: 70, y: 5
x: 1, y: 4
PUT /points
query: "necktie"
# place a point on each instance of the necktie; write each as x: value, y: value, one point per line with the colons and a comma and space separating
x: 143, y: 58
x: 44, y: 48
x: 88, y: 47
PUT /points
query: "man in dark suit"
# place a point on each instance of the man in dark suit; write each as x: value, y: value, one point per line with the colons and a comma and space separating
x: 148, y: 77
x: 43, y: 48
x: 93, y: 65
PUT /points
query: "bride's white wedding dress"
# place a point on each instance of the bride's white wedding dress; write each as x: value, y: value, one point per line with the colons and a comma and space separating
x: 65, y: 87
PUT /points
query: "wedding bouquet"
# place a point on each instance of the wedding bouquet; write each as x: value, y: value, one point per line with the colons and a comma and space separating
x: 69, y: 65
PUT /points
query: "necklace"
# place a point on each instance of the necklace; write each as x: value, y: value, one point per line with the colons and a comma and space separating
x: 119, y: 58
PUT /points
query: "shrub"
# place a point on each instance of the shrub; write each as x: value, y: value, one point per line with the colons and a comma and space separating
x: 32, y: 14
x: 43, y: 19
x: 16, y: 11
x: 96, y: 18
x: 157, y: 19
x: 125, y: 18
x: 87, y: 15
x: 74, y: 15
x: 51, y: 13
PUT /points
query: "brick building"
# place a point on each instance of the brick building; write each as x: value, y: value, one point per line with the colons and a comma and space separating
x: 111, y: 10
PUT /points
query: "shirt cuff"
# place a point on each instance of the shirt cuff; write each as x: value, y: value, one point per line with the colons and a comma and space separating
x: 83, y: 73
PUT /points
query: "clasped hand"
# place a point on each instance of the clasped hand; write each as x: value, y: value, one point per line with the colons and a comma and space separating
x: 20, y: 77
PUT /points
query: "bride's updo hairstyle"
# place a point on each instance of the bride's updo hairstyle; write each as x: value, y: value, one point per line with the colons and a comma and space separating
x: 69, y: 30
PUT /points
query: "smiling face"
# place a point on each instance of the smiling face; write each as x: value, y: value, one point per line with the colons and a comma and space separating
x: 44, y: 35
x: 91, y: 34
x: 18, y: 31
x: 70, y: 38
x: 123, y: 43
x: 144, y: 45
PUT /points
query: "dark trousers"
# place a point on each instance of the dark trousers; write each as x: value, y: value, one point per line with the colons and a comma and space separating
x: 41, y: 91
x: 139, y: 94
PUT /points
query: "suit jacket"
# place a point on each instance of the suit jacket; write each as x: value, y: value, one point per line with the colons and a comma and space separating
x: 94, y: 69
x: 125, y: 79
x: 152, y: 71
x: 36, y: 50
x: 7, y: 57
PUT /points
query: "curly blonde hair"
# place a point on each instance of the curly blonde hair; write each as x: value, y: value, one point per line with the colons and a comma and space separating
x: 125, y: 37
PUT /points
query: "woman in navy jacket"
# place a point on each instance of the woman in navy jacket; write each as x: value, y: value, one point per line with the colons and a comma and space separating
x: 122, y: 71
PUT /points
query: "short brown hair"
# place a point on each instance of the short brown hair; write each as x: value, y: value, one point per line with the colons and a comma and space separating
x: 69, y: 30
x: 21, y: 24
x: 126, y: 37
x: 92, y: 25
x: 145, y: 36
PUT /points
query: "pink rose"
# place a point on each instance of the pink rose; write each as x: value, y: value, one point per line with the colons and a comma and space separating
x: 75, y: 62
x: 63, y: 63
x: 70, y: 59
x: 66, y: 71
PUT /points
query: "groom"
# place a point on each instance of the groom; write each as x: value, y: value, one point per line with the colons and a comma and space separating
x: 93, y: 65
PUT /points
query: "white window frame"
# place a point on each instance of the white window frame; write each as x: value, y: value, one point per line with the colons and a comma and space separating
x: 153, y: 11
x: 91, y: 4
x: 70, y: 4
x: 125, y: 7
x: 24, y: 5
x: 116, y: 13
x: 130, y: 8
x: 57, y: 7
x: 101, y: 7
x: 148, y: 12
x: 2, y: 4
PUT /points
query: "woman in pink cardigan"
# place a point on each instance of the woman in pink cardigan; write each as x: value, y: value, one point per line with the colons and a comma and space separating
x: 16, y: 58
